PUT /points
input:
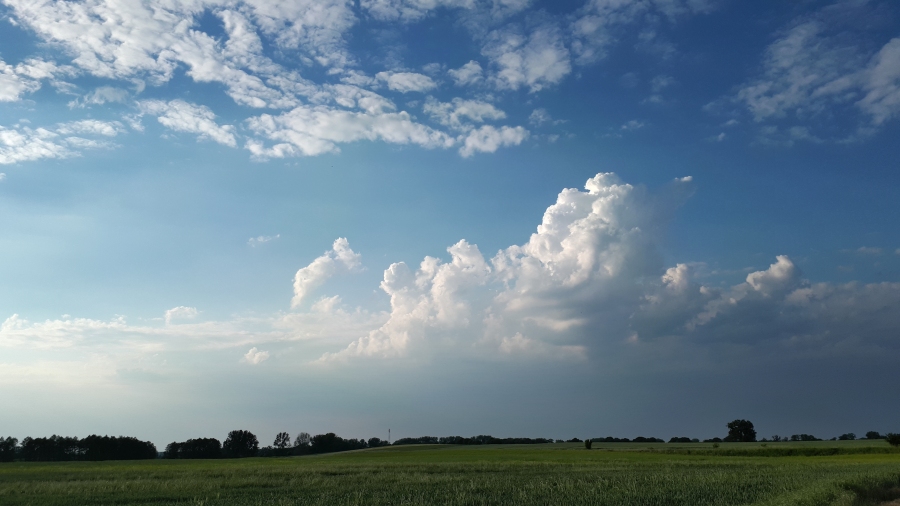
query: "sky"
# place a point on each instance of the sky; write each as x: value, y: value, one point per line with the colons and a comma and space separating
x: 449, y: 217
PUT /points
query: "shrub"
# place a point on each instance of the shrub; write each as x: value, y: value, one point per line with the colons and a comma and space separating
x: 642, y: 439
x: 804, y: 437
x: 892, y: 439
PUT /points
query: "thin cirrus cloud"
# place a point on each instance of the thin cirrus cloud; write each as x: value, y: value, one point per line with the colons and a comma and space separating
x: 599, y: 24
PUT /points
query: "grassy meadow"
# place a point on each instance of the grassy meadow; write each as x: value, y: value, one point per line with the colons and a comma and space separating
x: 855, y: 473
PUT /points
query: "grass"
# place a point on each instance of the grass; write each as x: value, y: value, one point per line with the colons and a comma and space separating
x: 555, y: 474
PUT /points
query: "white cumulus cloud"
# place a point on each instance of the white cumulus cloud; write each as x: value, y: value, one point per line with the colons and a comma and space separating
x: 26, y: 77
x: 405, y: 82
x: 23, y: 144
x: 315, y: 130
x: 316, y: 273
x: 461, y: 114
x: 582, y: 269
x: 181, y: 313
x: 182, y: 116
x: 592, y: 276
x: 102, y: 95
x: 255, y: 356
x: 488, y: 139
x: 534, y: 60
x: 469, y: 74
x: 91, y: 126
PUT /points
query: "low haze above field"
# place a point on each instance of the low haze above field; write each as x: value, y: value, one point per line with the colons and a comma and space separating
x: 540, y: 219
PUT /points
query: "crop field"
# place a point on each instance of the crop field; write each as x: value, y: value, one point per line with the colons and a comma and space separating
x: 824, y: 473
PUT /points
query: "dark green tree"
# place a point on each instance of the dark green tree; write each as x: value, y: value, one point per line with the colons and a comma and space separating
x: 240, y: 443
x: 892, y: 439
x: 200, y: 448
x: 873, y: 435
x: 375, y: 442
x: 303, y: 439
x: 49, y: 449
x: 172, y: 450
x: 282, y: 440
x: 741, y: 431
x: 8, y: 449
x: 95, y: 447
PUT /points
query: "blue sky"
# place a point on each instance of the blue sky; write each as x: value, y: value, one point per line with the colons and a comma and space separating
x: 544, y: 219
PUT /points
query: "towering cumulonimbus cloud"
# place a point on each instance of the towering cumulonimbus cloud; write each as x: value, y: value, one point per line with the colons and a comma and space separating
x: 592, y: 277
x: 590, y: 284
x: 582, y: 268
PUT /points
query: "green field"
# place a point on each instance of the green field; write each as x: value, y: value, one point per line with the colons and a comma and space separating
x: 860, y: 473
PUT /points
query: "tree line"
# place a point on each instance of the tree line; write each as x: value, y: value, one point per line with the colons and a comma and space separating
x: 476, y: 440
x: 60, y: 448
x: 243, y: 443
x: 743, y: 431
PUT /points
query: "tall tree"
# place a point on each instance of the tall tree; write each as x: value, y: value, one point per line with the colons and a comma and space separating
x: 303, y: 439
x: 8, y: 449
x: 282, y: 440
x: 741, y: 431
x: 240, y: 443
